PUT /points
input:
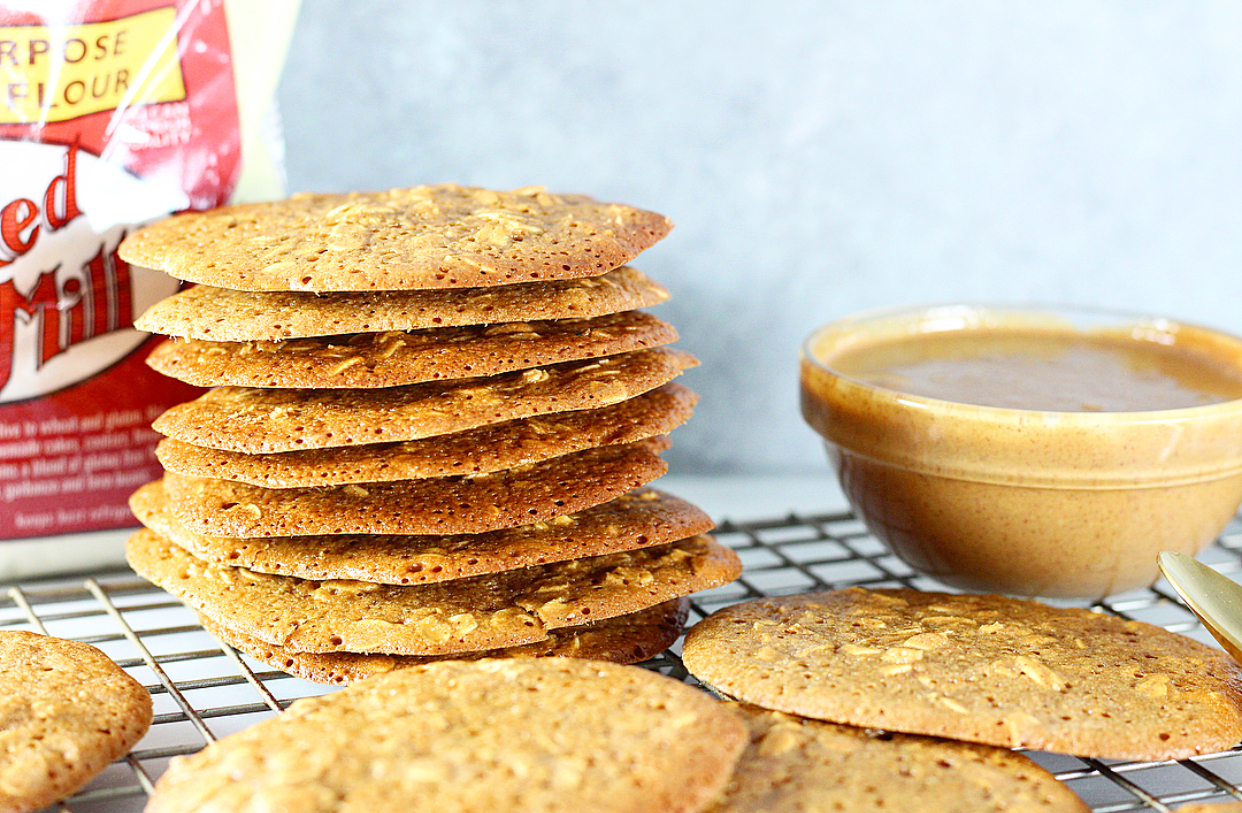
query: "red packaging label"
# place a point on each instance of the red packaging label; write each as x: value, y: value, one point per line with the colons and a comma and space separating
x: 113, y: 116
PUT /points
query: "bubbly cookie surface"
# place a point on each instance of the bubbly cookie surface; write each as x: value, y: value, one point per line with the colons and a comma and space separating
x: 221, y: 314
x: 397, y: 358
x: 796, y: 764
x: 476, y: 451
x: 444, y: 236
x: 986, y: 669
x: 643, y: 518
x: 68, y: 711
x: 624, y: 639
x: 547, y: 734
x: 256, y: 420
x: 463, y: 615
x: 445, y: 505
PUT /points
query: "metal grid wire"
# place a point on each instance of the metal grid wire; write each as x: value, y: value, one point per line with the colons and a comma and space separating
x: 203, y: 690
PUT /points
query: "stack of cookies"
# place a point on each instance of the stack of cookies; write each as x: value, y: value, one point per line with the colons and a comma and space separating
x: 432, y: 417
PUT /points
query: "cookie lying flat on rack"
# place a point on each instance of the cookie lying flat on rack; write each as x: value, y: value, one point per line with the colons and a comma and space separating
x: 484, y: 612
x: 443, y: 505
x: 642, y: 519
x: 220, y: 314
x: 396, y: 358
x: 796, y: 764
x: 624, y: 639
x: 547, y: 734
x: 260, y: 421
x: 68, y: 712
x: 986, y: 669
x: 483, y: 450
x: 444, y: 236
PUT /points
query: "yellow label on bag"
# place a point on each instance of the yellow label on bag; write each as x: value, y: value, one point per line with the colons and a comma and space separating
x: 58, y: 73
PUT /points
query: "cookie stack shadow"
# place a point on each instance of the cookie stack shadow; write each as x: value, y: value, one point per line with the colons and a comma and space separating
x: 432, y: 418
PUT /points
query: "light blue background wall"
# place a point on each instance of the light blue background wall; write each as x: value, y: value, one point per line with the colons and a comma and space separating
x: 818, y: 157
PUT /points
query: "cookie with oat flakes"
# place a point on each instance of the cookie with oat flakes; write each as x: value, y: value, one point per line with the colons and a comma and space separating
x: 625, y: 639
x: 68, y: 712
x: 463, y: 615
x: 256, y: 420
x: 557, y: 735
x: 490, y: 448
x: 397, y: 358
x: 641, y: 519
x: 797, y: 764
x: 986, y: 669
x: 224, y: 315
x: 444, y: 236
x: 442, y: 505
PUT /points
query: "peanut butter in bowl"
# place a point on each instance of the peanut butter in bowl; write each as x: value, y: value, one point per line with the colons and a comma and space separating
x: 1034, y: 452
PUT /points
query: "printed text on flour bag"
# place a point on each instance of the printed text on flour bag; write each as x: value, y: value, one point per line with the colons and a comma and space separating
x: 113, y: 114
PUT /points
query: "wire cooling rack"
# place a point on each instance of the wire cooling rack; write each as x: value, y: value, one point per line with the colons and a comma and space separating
x: 204, y: 690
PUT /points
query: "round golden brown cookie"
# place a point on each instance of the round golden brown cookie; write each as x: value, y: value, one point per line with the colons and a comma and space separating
x: 68, y: 712
x: 444, y: 505
x: 259, y: 421
x: 220, y: 314
x: 464, y: 615
x: 444, y: 236
x: 476, y: 451
x: 545, y: 734
x: 641, y: 519
x: 625, y: 639
x: 398, y: 358
x: 986, y: 669
x: 796, y: 764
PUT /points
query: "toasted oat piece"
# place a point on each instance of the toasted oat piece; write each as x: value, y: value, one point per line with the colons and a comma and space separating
x: 445, y: 505
x: 796, y: 764
x: 397, y: 358
x: 625, y: 639
x: 444, y: 236
x: 476, y: 451
x: 557, y: 735
x: 643, y: 518
x: 68, y: 712
x: 220, y: 314
x: 986, y: 669
x: 259, y: 421
x: 464, y: 615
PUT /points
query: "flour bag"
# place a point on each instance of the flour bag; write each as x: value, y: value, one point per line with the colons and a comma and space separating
x: 113, y: 114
